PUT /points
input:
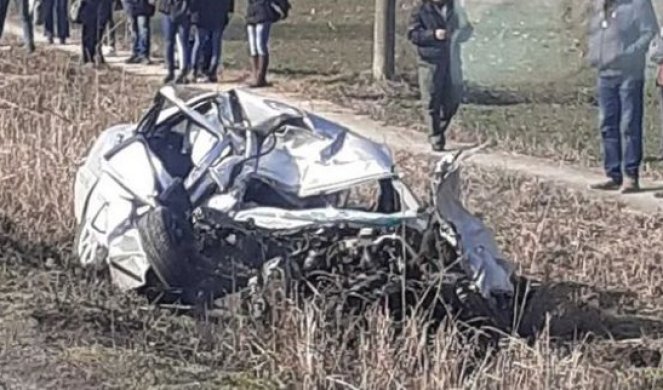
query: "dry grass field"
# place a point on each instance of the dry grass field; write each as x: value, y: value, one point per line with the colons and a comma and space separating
x: 595, y: 319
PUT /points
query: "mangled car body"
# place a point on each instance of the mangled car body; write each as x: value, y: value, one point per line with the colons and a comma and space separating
x: 199, y: 190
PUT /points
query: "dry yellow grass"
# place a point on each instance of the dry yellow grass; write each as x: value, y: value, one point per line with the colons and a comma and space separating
x: 64, y: 328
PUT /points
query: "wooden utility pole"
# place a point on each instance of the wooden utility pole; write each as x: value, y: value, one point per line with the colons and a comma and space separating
x: 384, y: 39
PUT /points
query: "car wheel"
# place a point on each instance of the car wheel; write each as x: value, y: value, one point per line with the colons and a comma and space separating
x: 166, y: 240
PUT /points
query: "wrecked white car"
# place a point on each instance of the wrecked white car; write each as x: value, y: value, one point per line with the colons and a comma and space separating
x: 203, y: 196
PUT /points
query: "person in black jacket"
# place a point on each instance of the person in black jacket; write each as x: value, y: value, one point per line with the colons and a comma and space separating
x: 90, y: 13
x: 437, y: 28
x: 260, y: 15
x: 140, y: 12
x: 210, y: 18
x: 176, y: 21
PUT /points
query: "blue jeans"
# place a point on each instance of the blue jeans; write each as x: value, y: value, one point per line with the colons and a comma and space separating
x: 258, y: 35
x: 140, y: 26
x: 170, y: 31
x: 211, y: 37
x: 621, y: 110
x: 56, y: 11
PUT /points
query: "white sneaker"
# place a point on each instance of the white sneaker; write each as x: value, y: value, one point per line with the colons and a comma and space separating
x: 108, y: 51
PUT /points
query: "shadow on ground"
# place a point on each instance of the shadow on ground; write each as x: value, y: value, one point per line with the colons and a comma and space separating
x: 575, y: 312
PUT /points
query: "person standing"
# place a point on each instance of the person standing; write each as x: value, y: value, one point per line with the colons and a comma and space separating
x: 438, y: 28
x: 176, y: 21
x: 210, y: 18
x: 140, y: 12
x: 260, y: 15
x: 620, y: 33
x: 56, y: 19
x: 90, y: 13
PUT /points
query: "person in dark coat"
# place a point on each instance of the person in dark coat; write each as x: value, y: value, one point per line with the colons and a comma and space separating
x: 56, y: 19
x: 437, y: 28
x: 140, y: 12
x: 210, y: 18
x: 176, y: 21
x: 260, y: 15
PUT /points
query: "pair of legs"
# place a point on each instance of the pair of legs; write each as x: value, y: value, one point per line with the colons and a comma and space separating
x: 94, y: 20
x: 141, y: 35
x: 211, y: 39
x: 109, y: 28
x: 438, y: 99
x: 26, y: 18
x: 56, y: 19
x: 258, y: 37
x: 171, y: 30
x: 621, y: 111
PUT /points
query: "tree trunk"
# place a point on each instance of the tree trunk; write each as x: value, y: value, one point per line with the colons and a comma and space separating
x: 384, y: 40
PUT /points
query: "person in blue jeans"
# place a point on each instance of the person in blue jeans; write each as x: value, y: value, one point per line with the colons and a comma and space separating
x: 176, y: 20
x: 140, y: 12
x: 56, y: 19
x: 210, y: 18
x: 619, y: 36
x: 26, y: 17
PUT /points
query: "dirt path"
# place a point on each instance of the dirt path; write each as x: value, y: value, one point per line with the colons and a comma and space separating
x: 404, y: 139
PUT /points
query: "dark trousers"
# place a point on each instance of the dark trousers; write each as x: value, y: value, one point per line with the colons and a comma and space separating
x: 4, y: 4
x: 170, y: 31
x: 207, y: 61
x: 108, y: 27
x: 435, y: 89
x: 92, y: 29
x: 621, y: 110
x: 56, y: 18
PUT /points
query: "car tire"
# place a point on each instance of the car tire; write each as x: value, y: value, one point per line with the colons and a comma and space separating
x: 166, y: 239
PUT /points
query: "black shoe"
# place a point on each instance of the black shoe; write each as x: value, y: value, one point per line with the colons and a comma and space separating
x: 607, y: 185
x: 438, y: 147
x: 145, y: 61
x: 50, y: 40
x: 630, y: 186
x: 212, y: 78
x: 63, y: 41
x: 437, y: 142
x: 169, y: 78
x: 182, y: 79
x: 134, y: 59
